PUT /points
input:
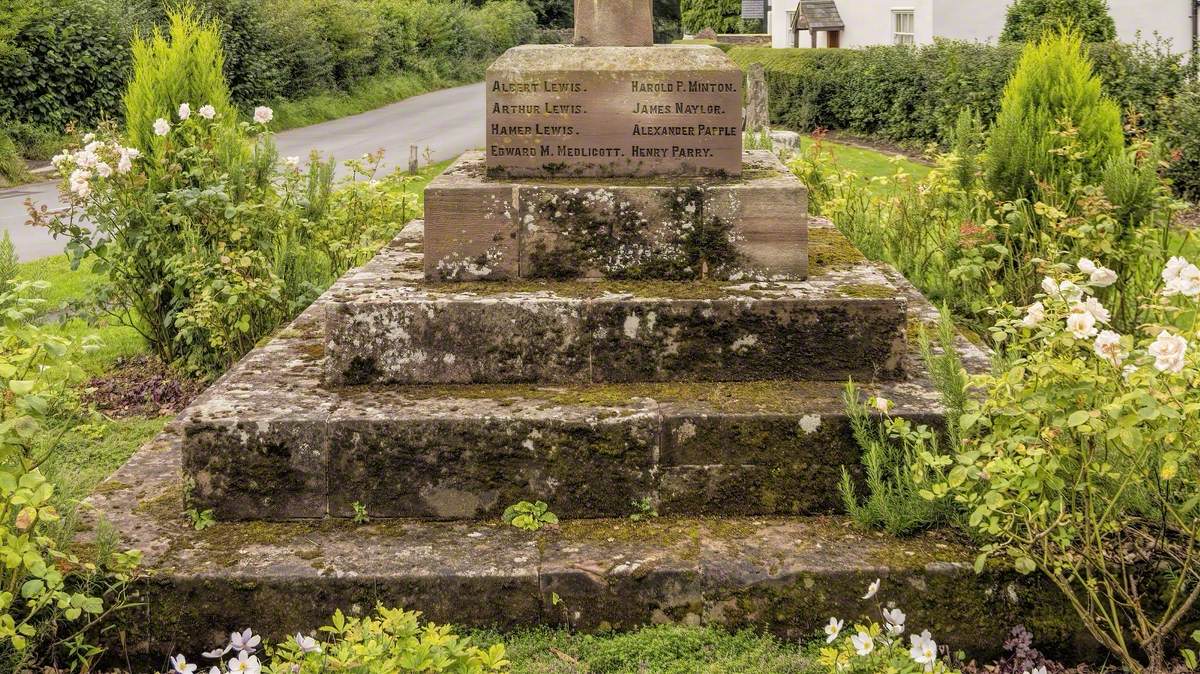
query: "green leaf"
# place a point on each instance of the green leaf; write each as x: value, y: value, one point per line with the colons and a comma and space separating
x: 1078, y: 418
x: 1025, y: 565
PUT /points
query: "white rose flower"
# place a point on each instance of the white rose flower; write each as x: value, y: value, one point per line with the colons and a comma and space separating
x: 1049, y: 286
x: 185, y: 111
x: 863, y: 643
x: 809, y: 423
x: 832, y: 630
x: 1066, y: 290
x: 1168, y: 351
x: 1082, y: 325
x: 1087, y: 266
x: 1034, y: 315
x: 263, y: 114
x: 1108, y: 347
x: 207, y: 112
x: 1103, y: 277
x: 79, y: 183
x: 161, y: 127
x: 1181, y: 278
x: 1093, y: 307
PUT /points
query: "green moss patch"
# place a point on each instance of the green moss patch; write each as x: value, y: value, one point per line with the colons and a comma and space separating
x: 828, y: 250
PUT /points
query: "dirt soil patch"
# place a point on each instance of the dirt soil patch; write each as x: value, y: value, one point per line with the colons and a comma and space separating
x: 141, y: 386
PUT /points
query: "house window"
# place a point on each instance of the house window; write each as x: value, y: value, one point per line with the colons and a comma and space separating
x: 904, y: 26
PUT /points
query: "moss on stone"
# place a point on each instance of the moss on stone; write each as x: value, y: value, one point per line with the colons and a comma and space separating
x: 866, y: 290
x: 828, y: 250
x: 109, y: 486
x: 778, y: 396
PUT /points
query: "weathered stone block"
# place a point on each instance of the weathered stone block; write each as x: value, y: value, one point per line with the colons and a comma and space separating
x: 554, y: 110
x: 475, y: 232
x: 751, y: 227
x: 434, y: 339
x: 613, y: 23
x: 454, y: 458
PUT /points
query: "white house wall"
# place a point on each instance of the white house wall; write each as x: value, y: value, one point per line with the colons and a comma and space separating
x: 869, y: 22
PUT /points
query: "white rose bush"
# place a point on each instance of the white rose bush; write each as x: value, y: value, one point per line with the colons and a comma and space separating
x: 1079, y: 456
x: 208, y: 240
x: 870, y: 647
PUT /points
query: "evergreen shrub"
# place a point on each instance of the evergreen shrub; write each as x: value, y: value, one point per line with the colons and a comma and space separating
x: 1054, y: 121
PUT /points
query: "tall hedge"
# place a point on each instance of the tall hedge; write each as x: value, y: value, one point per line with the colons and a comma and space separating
x: 916, y: 94
x: 69, y: 60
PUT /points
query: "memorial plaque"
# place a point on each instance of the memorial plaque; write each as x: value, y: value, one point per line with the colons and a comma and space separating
x: 561, y: 111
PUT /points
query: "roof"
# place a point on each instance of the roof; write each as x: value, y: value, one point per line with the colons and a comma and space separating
x: 818, y: 15
x: 754, y: 9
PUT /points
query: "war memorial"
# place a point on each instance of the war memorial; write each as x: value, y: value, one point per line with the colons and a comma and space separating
x: 611, y: 308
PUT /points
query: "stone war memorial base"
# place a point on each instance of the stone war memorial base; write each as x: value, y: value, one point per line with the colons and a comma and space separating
x: 748, y: 536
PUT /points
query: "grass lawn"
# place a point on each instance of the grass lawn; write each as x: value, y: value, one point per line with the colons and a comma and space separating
x: 866, y: 162
x: 663, y: 649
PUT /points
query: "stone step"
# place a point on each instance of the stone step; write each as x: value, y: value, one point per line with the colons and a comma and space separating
x: 386, y: 325
x: 788, y: 575
x: 272, y: 440
x: 752, y: 226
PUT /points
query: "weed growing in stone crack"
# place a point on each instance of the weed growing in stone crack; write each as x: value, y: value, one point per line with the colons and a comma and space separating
x: 529, y: 516
x: 200, y: 519
x: 644, y: 509
x: 360, y: 513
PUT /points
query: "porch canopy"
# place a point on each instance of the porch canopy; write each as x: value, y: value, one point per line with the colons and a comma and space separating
x: 818, y: 15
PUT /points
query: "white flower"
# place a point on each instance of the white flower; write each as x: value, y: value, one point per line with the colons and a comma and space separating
x: 133, y: 152
x: 79, y: 184
x: 895, y: 621
x: 809, y: 423
x: 1082, y: 324
x: 1093, y: 307
x: 218, y: 652
x: 1037, y: 670
x: 1087, y: 266
x: 1168, y: 351
x: 245, y: 664
x: 246, y: 641
x: 1034, y: 315
x: 124, y: 165
x: 89, y: 137
x: 86, y: 159
x: 185, y: 111
x: 1103, y: 277
x: 103, y: 170
x: 263, y: 114
x: 1108, y: 347
x: 872, y: 589
x: 832, y: 630
x: 306, y: 644
x: 180, y: 665
x: 882, y: 404
x: 59, y: 158
x: 863, y: 643
x: 1066, y: 290
x: 208, y: 112
x: 214, y: 670
x: 292, y: 162
x: 924, y: 649
x: 1182, y: 278
x: 161, y: 127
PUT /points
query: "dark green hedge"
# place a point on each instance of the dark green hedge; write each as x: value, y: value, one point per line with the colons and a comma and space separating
x: 916, y: 94
x: 71, y: 59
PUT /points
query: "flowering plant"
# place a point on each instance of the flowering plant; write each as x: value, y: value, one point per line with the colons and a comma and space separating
x: 390, y: 640
x: 207, y: 240
x: 1080, y: 458
x: 870, y: 646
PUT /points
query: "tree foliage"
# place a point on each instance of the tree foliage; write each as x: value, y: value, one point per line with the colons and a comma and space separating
x: 723, y: 16
x: 1029, y: 20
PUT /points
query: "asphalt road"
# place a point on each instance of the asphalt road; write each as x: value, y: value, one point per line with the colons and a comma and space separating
x: 446, y: 122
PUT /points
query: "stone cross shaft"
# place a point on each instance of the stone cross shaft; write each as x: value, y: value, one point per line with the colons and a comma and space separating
x: 613, y: 23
